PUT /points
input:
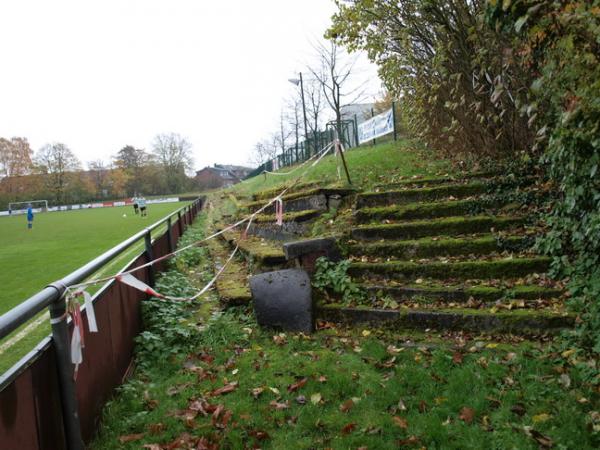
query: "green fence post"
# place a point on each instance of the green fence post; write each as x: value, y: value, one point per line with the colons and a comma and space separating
x: 373, y: 115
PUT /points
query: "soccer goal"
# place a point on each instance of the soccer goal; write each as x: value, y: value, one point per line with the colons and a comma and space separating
x: 21, y: 206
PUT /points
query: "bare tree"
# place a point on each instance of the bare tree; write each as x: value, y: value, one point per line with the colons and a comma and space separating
x: 294, y: 120
x: 58, y: 162
x: 333, y: 75
x: 99, y: 173
x: 174, y: 155
x: 263, y: 151
x: 314, y: 105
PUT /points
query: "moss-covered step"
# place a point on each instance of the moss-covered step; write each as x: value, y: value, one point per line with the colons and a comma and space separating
x: 440, y: 227
x: 428, y: 247
x: 521, y: 322
x: 268, y: 194
x: 297, y: 216
x: 431, y: 210
x: 427, y: 194
x: 460, y: 294
x: 232, y: 286
x: 261, y: 254
x: 500, y: 268
x: 437, y: 180
x: 315, y: 199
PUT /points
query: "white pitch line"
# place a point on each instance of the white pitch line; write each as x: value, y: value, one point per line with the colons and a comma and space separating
x: 24, y: 332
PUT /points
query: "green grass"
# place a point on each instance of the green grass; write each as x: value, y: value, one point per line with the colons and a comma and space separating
x: 59, y: 243
x: 387, y: 162
x: 482, y: 398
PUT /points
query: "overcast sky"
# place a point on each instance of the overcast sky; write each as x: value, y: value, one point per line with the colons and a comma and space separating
x: 100, y: 75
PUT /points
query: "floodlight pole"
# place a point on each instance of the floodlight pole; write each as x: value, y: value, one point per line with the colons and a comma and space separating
x: 304, y: 112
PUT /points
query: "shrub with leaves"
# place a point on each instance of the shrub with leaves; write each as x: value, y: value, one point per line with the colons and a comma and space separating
x: 333, y: 276
x: 559, y: 42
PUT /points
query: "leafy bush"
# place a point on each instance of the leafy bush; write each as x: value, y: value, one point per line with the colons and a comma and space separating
x: 334, y: 277
x: 559, y: 41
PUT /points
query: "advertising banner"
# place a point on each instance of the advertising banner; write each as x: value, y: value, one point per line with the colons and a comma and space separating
x: 376, y: 126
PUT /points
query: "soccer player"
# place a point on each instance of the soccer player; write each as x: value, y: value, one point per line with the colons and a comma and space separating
x: 142, y: 205
x: 135, y: 204
x: 29, y: 217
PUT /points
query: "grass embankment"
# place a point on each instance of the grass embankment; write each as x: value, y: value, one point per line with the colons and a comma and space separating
x: 59, y: 243
x: 383, y: 163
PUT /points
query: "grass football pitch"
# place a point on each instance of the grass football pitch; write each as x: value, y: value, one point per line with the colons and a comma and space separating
x: 59, y: 243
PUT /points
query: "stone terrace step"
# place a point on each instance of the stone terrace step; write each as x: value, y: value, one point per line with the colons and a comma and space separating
x: 261, y: 254
x: 420, y: 195
x: 437, y: 180
x: 270, y: 193
x: 447, y: 226
x: 298, y: 216
x: 232, y: 285
x: 314, y: 199
x: 461, y: 294
x: 416, y: 211
x: 496, y: 269
x: 427, y: 248
x: 522, y: 322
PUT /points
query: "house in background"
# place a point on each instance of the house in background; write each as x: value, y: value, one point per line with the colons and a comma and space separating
x: 220, y: 175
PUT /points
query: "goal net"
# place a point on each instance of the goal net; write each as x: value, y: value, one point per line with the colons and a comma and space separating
x: 38, y: 205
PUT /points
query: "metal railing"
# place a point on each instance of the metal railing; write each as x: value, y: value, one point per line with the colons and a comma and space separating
x: 51, y: 297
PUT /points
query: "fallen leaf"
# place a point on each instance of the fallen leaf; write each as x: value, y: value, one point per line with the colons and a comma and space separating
x: 565, y: 380
x: 467, y: 414
x: 279, y: 406
x: 518, y: 409
x: 366, y: 333
x: 315, y: 398
x: 412, y: 440
x: 229, y: 387
x: 544, y: 441
x: 457, y: 358
x: 422, y: 406
x: 539, y: 418
x: 322, y: 379
x: 274, y: 390
x: 131, y: 437
x: 294, y: 387
x: 152, y: 446
x: 301, y: 399
x: 346, y: 406
x: 156, y: 428
x: 257, y: 391
x: 259, y: 434
x: 348, y: 428
x: 400, y: 421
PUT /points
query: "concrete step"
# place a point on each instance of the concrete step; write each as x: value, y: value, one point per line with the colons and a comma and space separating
x: 430, y: 181
x: 261, y: 255
x: 489, y: 269
x: 431, y: 210
x: 426, y: 194
x: 519, y: 322
x: 314, y: 199
x: 232, y: 285
x: 461, y: 293
x: 450, y: 226
x: 428, y: 247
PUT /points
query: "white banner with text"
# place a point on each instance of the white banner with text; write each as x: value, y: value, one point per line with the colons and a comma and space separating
x: 376, y: 126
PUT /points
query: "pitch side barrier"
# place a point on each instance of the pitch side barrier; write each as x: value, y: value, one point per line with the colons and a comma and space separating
x: 41, y: 406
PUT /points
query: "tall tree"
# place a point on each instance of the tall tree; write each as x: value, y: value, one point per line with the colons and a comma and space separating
x: 15, y: 157
x: 333, y: 71
x: 134, y: 163
x: 174, y: 155
x: 99, y: 176
x: 57, y: 162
